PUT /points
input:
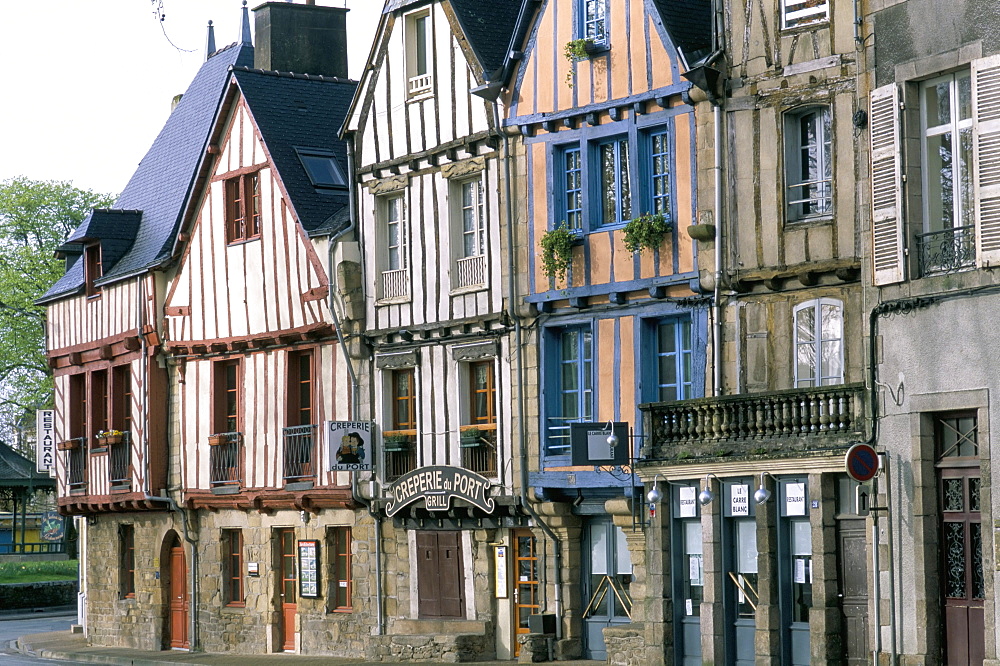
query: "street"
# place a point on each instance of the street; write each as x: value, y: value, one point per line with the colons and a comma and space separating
x: 20, y: 625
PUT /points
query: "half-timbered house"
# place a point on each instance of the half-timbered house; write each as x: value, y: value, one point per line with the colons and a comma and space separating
x: 606, y: 188
x: 432, y: 227
x: 194, y: 341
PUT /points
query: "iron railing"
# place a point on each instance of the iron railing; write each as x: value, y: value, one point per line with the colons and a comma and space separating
x: 33, y: 548
x: 759, y: 420
x: 299, y: 453
x: 121, y: 461
x: 224, y: 459
x: 947, y: 251
x: 480, y: 458
x: 395, y: 283
x: 78, y: 465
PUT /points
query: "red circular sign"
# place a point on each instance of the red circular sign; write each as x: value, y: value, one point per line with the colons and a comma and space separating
x: 861, y: 462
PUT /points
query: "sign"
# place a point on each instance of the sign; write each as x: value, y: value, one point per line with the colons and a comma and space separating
x: 437, y: 485
x: 589, y: 443
x: 253, y: 568
x: 53, y: 527
x: 739, y: 500
x: 795, y: 499
x: 350, y: 445
x: 309, y: 568
x: 861, y: 462
x: 689, y: 506
x: 45, y: 439
x: 500, y: 564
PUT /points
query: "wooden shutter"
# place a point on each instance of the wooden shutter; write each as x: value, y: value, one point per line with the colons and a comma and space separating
x: 986, y: 158
x: 887, y: 200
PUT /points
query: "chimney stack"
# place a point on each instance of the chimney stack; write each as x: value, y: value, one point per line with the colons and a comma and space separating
x: 305, y: 39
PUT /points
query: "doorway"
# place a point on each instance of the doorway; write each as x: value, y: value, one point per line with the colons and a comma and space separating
x: 440, y: 582
x: 178, y: 603
x: 606, y: 583
x: 287, y: 591
x: 526, y: 597
x: 852, y: 549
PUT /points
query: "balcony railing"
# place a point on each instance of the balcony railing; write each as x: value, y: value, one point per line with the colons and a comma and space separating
x: 400, y: 449
x: 797, y: 419
x: 299, y: 453
x: 395, y: 283
x: 479, y: 448
x: 121, y: 462
x: 420, y: 84
x: 78, y: 465
x: 471, y: 271
x: 224, y: 459
x: 947, y: 251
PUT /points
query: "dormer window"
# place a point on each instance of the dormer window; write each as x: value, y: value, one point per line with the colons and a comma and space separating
x: 322, y: 168
x: 242, y: 207
x: 92, y: 268
x: 418, y: 57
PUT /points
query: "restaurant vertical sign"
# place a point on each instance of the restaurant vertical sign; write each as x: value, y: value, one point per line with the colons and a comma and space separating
x: 45, y: 440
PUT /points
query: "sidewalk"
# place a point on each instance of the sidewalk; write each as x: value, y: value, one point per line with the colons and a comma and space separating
x: 66, y: 646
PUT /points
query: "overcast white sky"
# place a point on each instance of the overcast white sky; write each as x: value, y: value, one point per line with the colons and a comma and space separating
x: 86, y: 86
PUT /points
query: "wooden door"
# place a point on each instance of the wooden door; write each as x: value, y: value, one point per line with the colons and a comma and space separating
x: 852, y: 549
x: 525, y: 583
x: 287, y: 591
x: 440, y: 580
x: 177, y: 616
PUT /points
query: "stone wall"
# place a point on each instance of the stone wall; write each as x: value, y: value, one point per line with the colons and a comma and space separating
x: 38, y: 595
x: 625, y: 645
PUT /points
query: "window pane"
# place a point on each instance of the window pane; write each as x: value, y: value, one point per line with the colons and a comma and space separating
x: 420, y: 27
x: 937, y: 104
x: 964, y: 82
x: 661, y: 174
x: 746, y: 544
x: 609, y: 190
x: 966, y: 210
x: 598, y: 548
x: 624, y: 182
x: 574, y: 188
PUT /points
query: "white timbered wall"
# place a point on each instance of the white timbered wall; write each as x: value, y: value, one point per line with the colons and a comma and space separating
x: 87, y: 321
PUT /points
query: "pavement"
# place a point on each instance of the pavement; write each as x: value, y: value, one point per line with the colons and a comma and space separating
x: 73, y: 648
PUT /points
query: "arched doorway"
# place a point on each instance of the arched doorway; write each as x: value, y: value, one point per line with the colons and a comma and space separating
x: 174, y: 575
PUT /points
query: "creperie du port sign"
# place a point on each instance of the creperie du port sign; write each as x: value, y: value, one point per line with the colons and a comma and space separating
x: 437, y: 485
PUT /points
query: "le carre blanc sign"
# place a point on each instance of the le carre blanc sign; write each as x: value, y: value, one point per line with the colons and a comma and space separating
x: 437, y: 485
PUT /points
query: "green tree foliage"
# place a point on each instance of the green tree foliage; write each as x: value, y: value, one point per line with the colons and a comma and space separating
x: 35, y: 218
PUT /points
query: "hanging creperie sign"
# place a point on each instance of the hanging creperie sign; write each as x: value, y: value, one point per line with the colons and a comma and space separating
x: 437, y: 485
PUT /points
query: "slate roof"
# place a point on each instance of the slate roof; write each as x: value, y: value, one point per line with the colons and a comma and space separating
x: 302, y: 111
x: 689, y: 23
x: 489, y: 26
x: 16, y: 471
x: 162, y: 183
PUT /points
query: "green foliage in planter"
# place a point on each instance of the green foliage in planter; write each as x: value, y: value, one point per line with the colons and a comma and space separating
x: 576, y: 49
x: 646, y: 232
x: 557, y: 251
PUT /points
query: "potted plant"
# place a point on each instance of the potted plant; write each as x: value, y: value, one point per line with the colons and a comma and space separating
x: 557, y: 250
x: 68, y: 445
x: 217, y: 439
x: 471, y: 437
x: 579, y: 49
x: 396, y: 441
x: 110, y: 436
x: 646, y: 232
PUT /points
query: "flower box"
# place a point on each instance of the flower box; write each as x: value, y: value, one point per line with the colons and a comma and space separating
x: 217, y: 440
x: 68, y: 445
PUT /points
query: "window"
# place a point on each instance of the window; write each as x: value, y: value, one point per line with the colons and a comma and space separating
x: 593, y: 20
x: 227, y: 397
x: 126, y: 549
x: 93, y: 269
x: 478, y: 438
x: 121, y: 398
x: 659, y: 149
x: 340, y: 552
x: 574, y: 397
x: 808, y: 163
x: 400, y: 442
x: 394, y: 279
x: 298, y: 434
x: 404, y: 400
x: 470, y: 215
x: 418, y: 72
x: 98, y: 401
x: 673, y: 360
x: 300, y: 388
x: 615, y: 182
x: 819, y: 335
x: 946, y: 125
x: 482, y: 383
x: 572, y: 177
x: 798, y: 13
x: 232, y: 575
x: 242, y: 207
x: 322, y: 168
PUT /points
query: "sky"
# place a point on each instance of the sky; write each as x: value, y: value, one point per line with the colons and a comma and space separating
x: 87, y: 86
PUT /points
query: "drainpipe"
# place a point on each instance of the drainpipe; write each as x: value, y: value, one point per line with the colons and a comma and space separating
x: 519, y: 359
x: 717, y: 36
x: 355, y: 390
x: 193, y: 614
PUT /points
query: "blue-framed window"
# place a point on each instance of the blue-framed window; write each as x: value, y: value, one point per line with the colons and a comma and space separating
x: 615, y: 181
x: 608, y: 180
x: 673, y: 359
x: 572, y: 400
x: 594, y: 20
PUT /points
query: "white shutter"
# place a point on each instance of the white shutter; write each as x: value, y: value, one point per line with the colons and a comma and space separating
x: 986, y: 158
x: 887, y: 197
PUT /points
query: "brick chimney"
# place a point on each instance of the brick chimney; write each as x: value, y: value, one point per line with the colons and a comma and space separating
x: 305, y: 39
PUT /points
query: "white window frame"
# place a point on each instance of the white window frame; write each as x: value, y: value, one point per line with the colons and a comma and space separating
x: 819, y: 195
x: 821, y: 372
x: 394, y: 260
x: 469, y: 225
x: 800, y: 13
x: 962, y: 213
x: 419, y: 75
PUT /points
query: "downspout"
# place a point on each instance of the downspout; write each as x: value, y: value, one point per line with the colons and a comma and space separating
x: 717, y: 205
x: 519, y: 359
x: 355, y: 389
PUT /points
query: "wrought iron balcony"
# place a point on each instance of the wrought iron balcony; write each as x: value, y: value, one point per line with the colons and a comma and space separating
x: 947, y: 251
x: 299, y: 454
x: 755, y: 423
x: 121, y: 462
x: 224, y: 459
x: 77, y: 464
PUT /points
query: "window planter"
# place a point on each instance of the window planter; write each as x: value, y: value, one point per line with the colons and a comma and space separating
x: 68, y: 445
x: 217, y: 440
x: 394, y: 443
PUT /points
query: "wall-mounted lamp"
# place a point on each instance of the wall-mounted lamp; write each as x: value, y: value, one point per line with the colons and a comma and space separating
x: 653, y: 496
x: 763, y: 494
x: 612, y: 439
x: 706, y: 495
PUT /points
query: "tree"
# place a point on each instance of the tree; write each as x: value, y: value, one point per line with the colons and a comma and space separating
x: 35, y: 217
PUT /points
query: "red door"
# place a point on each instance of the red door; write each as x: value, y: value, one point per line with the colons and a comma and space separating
x: 288, y: 590
x: 177, y: 618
